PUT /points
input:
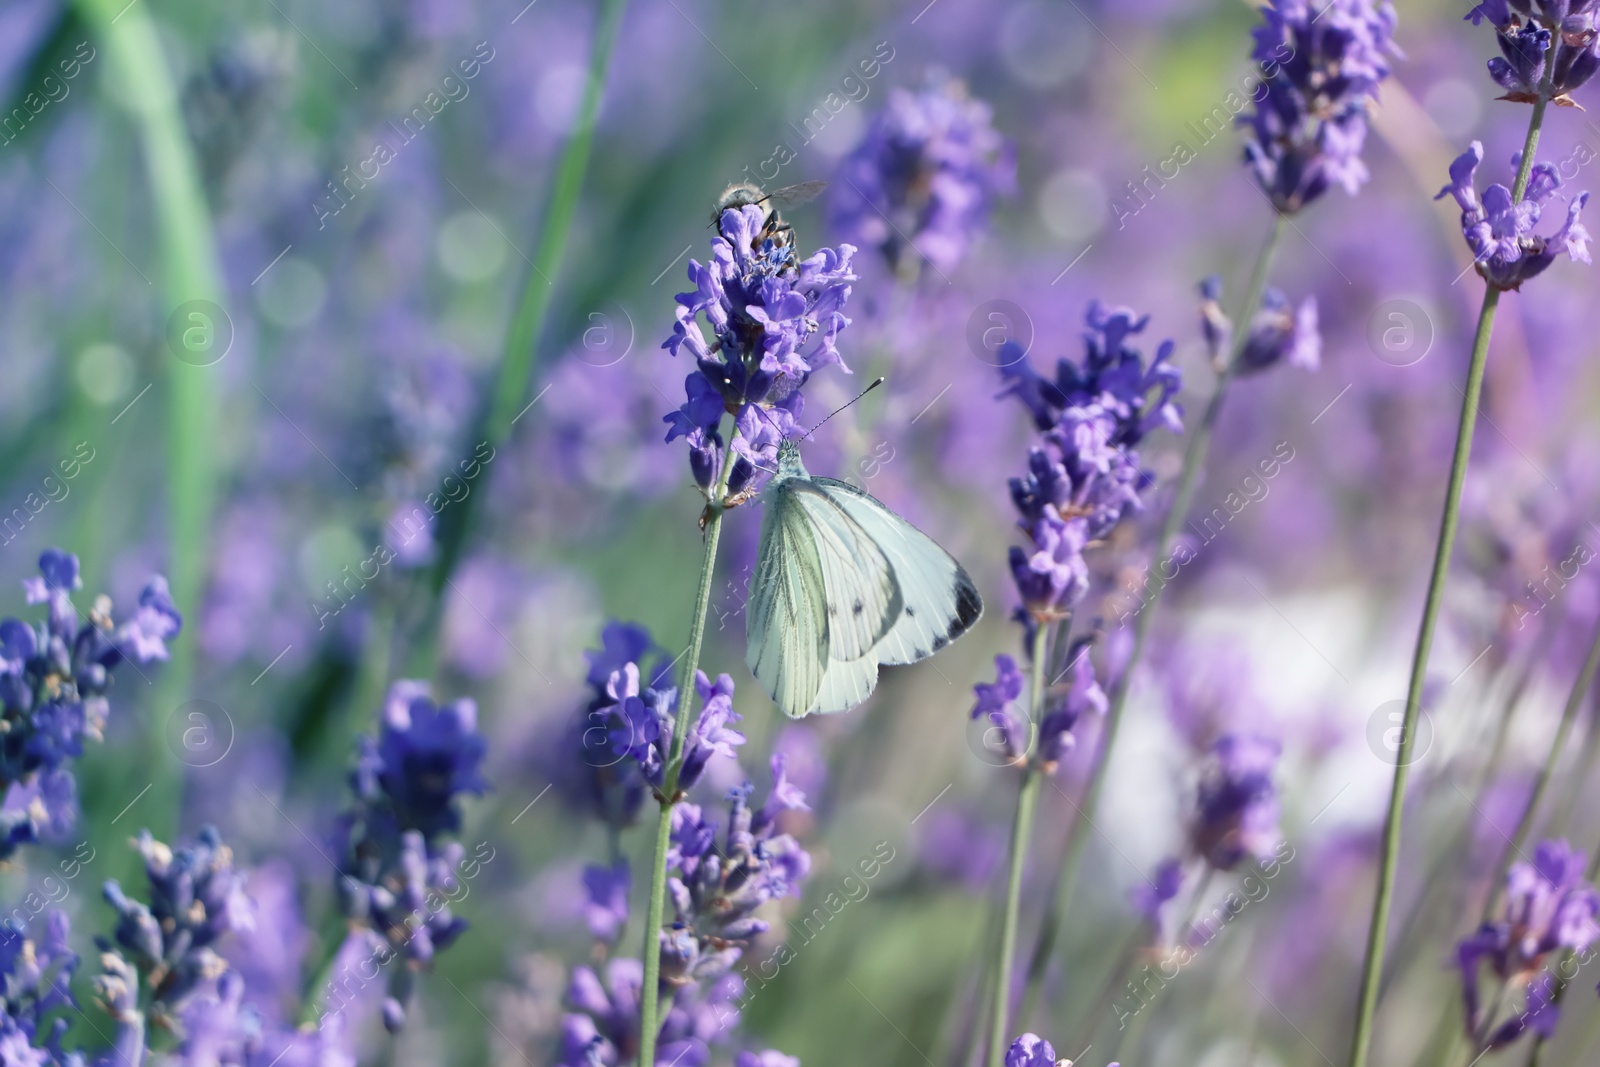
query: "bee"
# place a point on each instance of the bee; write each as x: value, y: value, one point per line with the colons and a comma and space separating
x: 773, y: 227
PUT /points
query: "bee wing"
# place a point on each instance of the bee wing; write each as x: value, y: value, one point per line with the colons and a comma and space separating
x: 795, y: 195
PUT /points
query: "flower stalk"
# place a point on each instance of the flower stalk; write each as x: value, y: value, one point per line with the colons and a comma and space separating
x: 1383, y: 898
x: 1188, y: 480
x: 649, y: 997
x: 1021, y: 832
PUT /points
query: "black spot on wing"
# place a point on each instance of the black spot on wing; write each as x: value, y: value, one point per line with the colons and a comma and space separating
x: 969, y: 606
x: 939, y: 642
x: 911, y: 612
x: 858, y: 608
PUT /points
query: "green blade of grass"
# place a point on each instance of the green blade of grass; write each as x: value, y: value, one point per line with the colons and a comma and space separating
x: 190, y: 271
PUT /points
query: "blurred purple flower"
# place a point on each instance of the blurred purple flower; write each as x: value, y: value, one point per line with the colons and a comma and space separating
x: 606, y: 909
x: 1279, y: 332
x: 426, y: 755
x: 1031, y: 1050
x: 1000, y: 702
x: 1149, y: 899
x: 774, y: 321
x: 768, y: 1058
x: 1321, y: 66
x: 1500, y: 233
x: 35, y: 976
x: 1236, y: 814
x: 196, y: 899
x: 959, y: 847
x: 396, y: 866
x: 1549, y: 905
x: 923, y: 179
x: 603, y: 1027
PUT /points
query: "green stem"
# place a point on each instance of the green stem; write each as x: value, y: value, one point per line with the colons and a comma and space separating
x: 1558, y: 745
x: 1188, y: 480
x: 191, y: 271
x: 1378, y: 929
x: 1443, y: 848
x: 1021, y: 831
x: 649, y: 1000
x: 508, y: 400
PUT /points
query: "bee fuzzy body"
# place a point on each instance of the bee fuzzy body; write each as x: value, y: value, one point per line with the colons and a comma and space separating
x: 774, y: 227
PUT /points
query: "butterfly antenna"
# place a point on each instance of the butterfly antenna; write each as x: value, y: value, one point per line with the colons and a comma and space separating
x: 875, y: 383
x: 770, y: 420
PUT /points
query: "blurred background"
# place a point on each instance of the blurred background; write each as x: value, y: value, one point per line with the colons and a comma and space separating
x: 360, y: 324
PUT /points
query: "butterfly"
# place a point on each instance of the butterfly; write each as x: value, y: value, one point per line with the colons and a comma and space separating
x: 843, y: 585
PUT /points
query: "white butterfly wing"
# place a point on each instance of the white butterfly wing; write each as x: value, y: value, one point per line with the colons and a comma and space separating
x: 786, y: 615
x: 863, y: 597
x: 940, y: 603
x: 846, y: 684
x: 842, y: 585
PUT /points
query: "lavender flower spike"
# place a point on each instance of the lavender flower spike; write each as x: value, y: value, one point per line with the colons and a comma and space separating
x: 774, y: 321
x: 920, y: 185
x: 643, y: 721
x: 1086, y: 477
x: 1499, y: 232
x: 1321, y: 65
x: 1279, y: 333
x: 1237, y: 809
x: 53, y: 682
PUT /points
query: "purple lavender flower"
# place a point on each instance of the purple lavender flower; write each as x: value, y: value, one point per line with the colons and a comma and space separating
x: 1137, y: 396
x: 999, y: 701
x: 35, y: 977
x: 921, y: 183
x: 425, y: 756
x: 1031, y: 1050
x: 1321, y: 66
x: 1548, y: 906
x: 716, y: 890
x: 1236, y: 814
x: 603, y: 1028
x: 53, y: 681
x: 1500, y: 233
x: 397, y: 870
x: 774, y: 321
x: 1525, y: 63
x: 196, y: 899
x: 606, y: 910
x: 1279, y: 333
x: 1150, y: 899
x: 643, y: 723
x: 592, y: 772
x: 1065, y: 705
x: 1086, y: 477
